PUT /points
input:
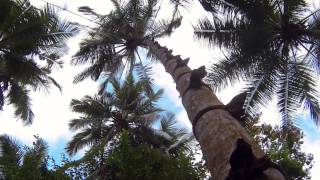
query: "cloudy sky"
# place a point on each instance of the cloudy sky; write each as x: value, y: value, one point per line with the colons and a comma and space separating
x: 51, y: 109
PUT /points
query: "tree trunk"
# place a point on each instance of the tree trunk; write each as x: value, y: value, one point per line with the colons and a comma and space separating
x: 229, y: 151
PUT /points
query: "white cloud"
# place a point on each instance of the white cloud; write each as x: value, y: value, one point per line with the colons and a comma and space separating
x: 182, y: 117
x: 165, y: 81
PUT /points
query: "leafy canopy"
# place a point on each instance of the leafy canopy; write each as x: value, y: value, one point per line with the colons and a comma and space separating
x: 128, y: 106
x: 28, y: 35
x: 284, y: 148
x: 273, y: 45
x: 26, y: 163
x: 129, y: 160
x: 114, y: 46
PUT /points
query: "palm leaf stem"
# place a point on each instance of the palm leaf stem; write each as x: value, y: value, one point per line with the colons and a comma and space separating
x: 253, y: 93
x: 313, y: 13
x: 65, y: 9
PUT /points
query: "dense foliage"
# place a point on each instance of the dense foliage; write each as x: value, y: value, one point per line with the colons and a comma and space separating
x: 284, y: 148
x: 129, y: 160
x: 26, y: 163
x: 142, y: 162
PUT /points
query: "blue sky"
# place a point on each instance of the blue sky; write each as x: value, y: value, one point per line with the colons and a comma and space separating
x: 310, y: 130
x: 57, y: 150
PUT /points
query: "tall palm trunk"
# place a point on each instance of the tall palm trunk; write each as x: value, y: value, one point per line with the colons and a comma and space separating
x: 228, y: 149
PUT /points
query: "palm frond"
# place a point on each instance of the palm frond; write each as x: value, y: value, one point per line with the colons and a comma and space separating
x: 165, y: 27
x: 298, y: 87
x: 230, y: 70
x: 86, y: 10
x: 83, y: 122
x: 265, y: 38
x: 303, y: 84
x: 285, y: 102
x: 36, y: 156
x: 144, y: 74
x: 29, y: 33
x: 11, y: 153
x: 4, y: 85
x: 19, y: 98
x: 223, y: 33
x: 95, y: 106
x: 94, y: 71
x: 169, y: 124
x: 294, y: 8
x: 148, y: 105
x: 185, y: 143
x: 90, y: 51
x: 79, y: 141
x: 248, y: 10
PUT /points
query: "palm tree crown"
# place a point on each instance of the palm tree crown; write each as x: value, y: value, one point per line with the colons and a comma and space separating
x: 114, y: 45
x: 104, y: 116
x: 272, y: 45
x: 28, y: 35
x: 129, y: 107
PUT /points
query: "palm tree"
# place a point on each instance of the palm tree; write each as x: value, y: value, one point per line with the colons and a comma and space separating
x: 273, y: 46
x: 105, y: 116
x: 28, y: 36
x: 115, y: 44
x: 129, y: 107
x: 25, y: 163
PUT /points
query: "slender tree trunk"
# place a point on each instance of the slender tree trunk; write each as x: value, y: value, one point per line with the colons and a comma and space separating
x: 229, y: 151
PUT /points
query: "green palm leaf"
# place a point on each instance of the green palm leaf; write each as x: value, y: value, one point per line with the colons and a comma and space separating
x: 273, y: 46
x: 27, y: 35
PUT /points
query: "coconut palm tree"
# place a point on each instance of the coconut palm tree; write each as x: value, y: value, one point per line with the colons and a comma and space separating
x: 105, y: 116
x: 28, y: 35
x: 273, y: 46
x: 116, y: 44
x: 25, y: 163
x: 129, y: 107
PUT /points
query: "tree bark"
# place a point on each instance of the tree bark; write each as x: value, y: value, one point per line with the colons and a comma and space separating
x: 229, y: 151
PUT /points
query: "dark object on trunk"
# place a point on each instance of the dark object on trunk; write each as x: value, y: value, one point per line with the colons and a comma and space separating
x: 235, y: 107
x: 245, y: 166
x: 181, y: 63
x: 196, y: 79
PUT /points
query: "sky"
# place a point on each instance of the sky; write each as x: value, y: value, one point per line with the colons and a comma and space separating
x: 52, y: 112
